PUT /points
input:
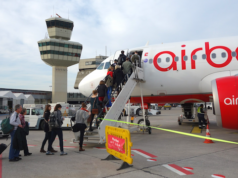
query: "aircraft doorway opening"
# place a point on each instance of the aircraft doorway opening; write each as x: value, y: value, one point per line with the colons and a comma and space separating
x: 132, y: 52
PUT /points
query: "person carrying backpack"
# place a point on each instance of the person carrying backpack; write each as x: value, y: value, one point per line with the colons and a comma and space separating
x: 136, y: 59
x: 47, y: 129
x: 57, y: 130
x: 121, y: 58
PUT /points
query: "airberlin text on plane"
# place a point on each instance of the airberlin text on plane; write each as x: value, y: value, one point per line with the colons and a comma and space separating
x: 208, y: 51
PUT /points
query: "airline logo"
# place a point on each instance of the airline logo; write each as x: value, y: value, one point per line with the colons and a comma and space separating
x: 228, y: 101
x: 208, y: 51
x: 231, y: 101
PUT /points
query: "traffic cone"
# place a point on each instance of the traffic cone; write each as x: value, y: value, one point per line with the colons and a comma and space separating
x: 208, y: 135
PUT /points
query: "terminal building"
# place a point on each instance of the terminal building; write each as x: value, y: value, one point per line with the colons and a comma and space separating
x: 86, y: 66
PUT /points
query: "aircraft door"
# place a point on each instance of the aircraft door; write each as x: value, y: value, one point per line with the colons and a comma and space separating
x: 117, y: 53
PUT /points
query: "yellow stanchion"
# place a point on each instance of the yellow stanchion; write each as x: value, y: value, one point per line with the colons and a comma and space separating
x: 118, y: 144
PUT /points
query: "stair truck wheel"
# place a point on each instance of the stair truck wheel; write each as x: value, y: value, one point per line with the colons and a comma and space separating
x: 139, y: 112
x: 147, y: 122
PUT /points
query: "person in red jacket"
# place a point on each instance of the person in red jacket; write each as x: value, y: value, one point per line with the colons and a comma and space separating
x: 109, y: 71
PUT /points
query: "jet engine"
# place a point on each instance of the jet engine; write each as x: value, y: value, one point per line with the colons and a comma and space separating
x: 225, y: 98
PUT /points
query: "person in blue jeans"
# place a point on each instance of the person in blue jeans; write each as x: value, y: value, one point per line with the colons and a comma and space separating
x: 15, y: 121
x: 57, y: 131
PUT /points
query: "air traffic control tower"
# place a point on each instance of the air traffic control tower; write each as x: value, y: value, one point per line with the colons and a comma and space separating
x: 60, y: 53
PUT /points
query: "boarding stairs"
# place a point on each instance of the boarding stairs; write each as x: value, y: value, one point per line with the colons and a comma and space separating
x: 98, y: 136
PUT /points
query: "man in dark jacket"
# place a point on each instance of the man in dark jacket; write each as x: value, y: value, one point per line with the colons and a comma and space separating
x: 115, y: 63
x: 118, y: 76
x: 121, y: 58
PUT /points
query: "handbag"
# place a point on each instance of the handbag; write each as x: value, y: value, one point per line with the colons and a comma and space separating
x: 94, y: 111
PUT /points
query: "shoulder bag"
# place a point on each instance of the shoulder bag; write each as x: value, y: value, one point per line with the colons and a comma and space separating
x: 94, y: 111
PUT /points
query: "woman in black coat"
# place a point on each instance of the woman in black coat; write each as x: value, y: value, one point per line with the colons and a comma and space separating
x: 46, y: 128
x: 118, y: 76
x: 102, y: 90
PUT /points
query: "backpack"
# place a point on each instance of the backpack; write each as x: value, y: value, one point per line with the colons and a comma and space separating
x: 135, y: 58
x: 53, y: 121
x: 7, y: 128
x: 121, y: 59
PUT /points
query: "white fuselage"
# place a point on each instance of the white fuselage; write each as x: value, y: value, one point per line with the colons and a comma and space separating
x: 170, y: 69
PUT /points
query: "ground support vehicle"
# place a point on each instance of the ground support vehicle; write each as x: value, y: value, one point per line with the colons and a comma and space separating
x: 190, y: 114
x: 4, y: 110
x: 167, y: 106
x: 35, y: 118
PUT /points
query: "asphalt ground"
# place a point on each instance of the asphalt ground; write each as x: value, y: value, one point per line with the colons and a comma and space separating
x: 153, y: 155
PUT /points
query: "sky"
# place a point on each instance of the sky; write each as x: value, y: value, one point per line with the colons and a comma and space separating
x: 117, y: 24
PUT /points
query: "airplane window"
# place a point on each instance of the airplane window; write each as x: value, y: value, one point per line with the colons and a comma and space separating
x: 107, y: 65
x: 150, y: 61
x: 204, y: 56
x: 185, y: 58
x: 100, y: 67
x: 159, y: 60
x: 233, y: 54
x: 194, y: 57
x: 213, y: 55
x: 167, y: 59
x: 223, y: 54
x: 176, y: 58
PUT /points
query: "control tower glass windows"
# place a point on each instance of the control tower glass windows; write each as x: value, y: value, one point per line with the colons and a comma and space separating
x: 60, y: 44
x: 60, y: 53
x: 60, y: 24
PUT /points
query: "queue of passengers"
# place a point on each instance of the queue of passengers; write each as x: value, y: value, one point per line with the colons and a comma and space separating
x: 21, y: 129
x: 100, y: 97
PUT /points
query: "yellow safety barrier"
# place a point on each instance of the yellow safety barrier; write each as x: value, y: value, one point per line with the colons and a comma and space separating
x: 118, y: 144
x: 177, y: 132
x: 115, y: 137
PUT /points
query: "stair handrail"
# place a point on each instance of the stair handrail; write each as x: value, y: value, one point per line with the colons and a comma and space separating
x: 111, y: 95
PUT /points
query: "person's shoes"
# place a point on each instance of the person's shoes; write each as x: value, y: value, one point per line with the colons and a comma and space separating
x: 90, y: 130
x: 13, y: 160
x: 49, y: 153
x: 81, y: 149
x: 28, y: 154
x: 42, y: 151
x: 63, y: 153
x: 17, y: 158
x: 19, y: 155
x: 200, y: 126
x: 53, y: 151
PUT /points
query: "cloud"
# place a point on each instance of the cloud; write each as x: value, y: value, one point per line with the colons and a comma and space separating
x: 117, y: 24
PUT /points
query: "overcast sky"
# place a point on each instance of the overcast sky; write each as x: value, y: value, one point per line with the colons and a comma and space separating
x: 117, y: 24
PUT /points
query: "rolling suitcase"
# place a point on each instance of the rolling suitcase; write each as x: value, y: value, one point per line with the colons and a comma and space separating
x: 3, y: 147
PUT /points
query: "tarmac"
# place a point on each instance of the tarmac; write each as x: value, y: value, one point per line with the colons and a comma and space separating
x: 161, y: 154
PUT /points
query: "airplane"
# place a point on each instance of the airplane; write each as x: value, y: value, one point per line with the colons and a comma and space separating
x: 186, y: 73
